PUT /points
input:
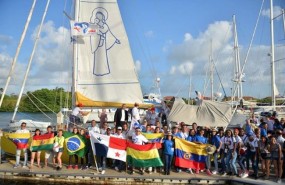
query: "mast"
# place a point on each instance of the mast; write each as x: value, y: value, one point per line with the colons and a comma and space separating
x: 18, y: 51
x: 30, y: 62
x: 190, y: 89
x: 238, y: 75
x: 212, y: 71
x: 272, y: 57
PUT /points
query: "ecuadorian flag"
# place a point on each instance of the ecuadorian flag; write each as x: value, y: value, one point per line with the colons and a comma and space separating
x: 75, y: 144
x: 42, y: 142
x: 19, y: 139
x: 189, y: 154
x: 143, y: 155
x: 154, y: 138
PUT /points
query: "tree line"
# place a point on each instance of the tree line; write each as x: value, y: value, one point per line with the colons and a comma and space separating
x: 46, y: 100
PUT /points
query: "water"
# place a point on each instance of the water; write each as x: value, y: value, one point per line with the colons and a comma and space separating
x: 5, y: 117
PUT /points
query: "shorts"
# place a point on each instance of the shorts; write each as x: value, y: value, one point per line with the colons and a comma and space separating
x: 48, y: 154
x: 59, y: 150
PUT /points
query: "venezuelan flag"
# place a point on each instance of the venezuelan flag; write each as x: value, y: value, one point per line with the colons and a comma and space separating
x: 19, y: 139
x: 75, y: 144
x: 42, y: 142
x: 143, y: 155
x: 154, y: 138
x: 189, y: 154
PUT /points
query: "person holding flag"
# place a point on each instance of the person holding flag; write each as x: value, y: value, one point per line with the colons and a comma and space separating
x: 22, y: 146
x: 37, y: 133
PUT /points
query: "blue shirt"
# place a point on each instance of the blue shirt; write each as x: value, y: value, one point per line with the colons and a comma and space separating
x: 191, y: 138
x: 168, y: 147
x: 263, y: 132
x: 201, y: 139
x: 216, y: 140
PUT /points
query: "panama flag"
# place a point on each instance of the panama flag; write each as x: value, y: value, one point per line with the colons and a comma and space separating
x: 108, y: 146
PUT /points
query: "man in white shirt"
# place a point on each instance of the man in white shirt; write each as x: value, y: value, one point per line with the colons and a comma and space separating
x: 18, y: 151
x: 135, y: 115
x: 94, y: 127
x: 74, y: 116
x: 121, y: 116
x: 119, y: 163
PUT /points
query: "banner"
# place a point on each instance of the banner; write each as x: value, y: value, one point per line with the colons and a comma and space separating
x: 82, y: 28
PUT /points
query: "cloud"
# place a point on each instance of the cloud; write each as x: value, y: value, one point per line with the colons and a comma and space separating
x: 185, y: 68
x: 138, y: 66
x: 277, y: 10
x: 149, y: 34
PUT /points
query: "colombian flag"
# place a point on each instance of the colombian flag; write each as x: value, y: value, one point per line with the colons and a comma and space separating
x: 19, y: 139
x: 143, y: 155
x: 75, y: 144
x: 42, y: 142
x: 154, y: 138
x: 189, y: 154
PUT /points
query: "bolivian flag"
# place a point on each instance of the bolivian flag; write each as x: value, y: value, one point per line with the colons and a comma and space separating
x: 154, y: 138
x: 143, y: 155
x: 189, y: 154
x: 19, y: 139
x: 75, y: 144
x: 42, y: 142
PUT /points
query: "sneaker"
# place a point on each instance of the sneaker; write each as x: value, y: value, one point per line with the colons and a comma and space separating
x: 16, y: 166
x: 197, y: 172
x: 224, y: 173
x: 142, y: 172
x: 116, y: 168
x: 244, y: 175
x: 103, y: 172
x: 266, y: 178
x: 100, y: 169
x: 131, y: 172
x: 208, y: 172
x: 25, y: 166
x: 178, y: 170
x: 278, y: 181
x: 58, y: 168
x: 214, y: 172
x: 84, y: 167
x: 75, y: 167
x: 154, y: 171
x: 69, y: 167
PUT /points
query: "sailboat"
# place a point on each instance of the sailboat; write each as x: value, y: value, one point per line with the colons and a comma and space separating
x: 103, y: 73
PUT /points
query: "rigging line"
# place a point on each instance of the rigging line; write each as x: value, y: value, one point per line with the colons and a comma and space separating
x: 247, y: 54
x: 220, y: 79
x: 37, y: 106
x: 180, y: 87
x: 41, y: 102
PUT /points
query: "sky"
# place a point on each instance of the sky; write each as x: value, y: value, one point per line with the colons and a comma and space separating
x: 169, y: 39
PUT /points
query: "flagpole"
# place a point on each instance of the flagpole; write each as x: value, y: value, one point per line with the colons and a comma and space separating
x: 96, y: 163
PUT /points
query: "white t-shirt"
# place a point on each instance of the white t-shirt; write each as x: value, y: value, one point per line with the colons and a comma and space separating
x: 135, y: 114
x: 229, y: 142
x: 280, y: 140
x: 94, y: 129
x: 139, y: 139
x: 123, y: 115
x: 22, y: 131
x: 76, y: 111
x: 121, y: 136
x: 252, y: 144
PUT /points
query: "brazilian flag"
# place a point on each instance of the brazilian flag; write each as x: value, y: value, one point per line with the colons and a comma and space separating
x: 75, y: 144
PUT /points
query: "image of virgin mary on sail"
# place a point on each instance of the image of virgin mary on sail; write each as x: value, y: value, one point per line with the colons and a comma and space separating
x: 101, y: 43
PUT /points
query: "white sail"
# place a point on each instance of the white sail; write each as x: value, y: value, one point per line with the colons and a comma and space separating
x: 104, y: 71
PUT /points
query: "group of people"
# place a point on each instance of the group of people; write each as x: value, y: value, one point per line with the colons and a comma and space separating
x: 257, y: 143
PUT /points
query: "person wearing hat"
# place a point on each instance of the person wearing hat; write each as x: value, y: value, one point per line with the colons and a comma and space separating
x: 74, y: 116
x: 216, y: 141
x: 168, y: 151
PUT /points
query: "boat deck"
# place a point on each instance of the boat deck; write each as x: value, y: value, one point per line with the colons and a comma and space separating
x: 90, y: 176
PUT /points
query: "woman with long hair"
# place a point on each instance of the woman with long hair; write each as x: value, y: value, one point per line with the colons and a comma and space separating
x: 277, y: 158
x: 264, y: 155
x: 34, y: 152
x: 75, y: 166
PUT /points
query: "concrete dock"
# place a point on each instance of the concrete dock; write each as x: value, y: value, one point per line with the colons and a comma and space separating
x: 50, y: 175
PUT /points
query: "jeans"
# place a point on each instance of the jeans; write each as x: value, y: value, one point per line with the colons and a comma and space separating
x: 167, y: 162
x: 18, y: 155
x: 254, y: 160
x: 232, y: 162
x: 101, y: 162
x: 241, y: 159
x: 215, y: 155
